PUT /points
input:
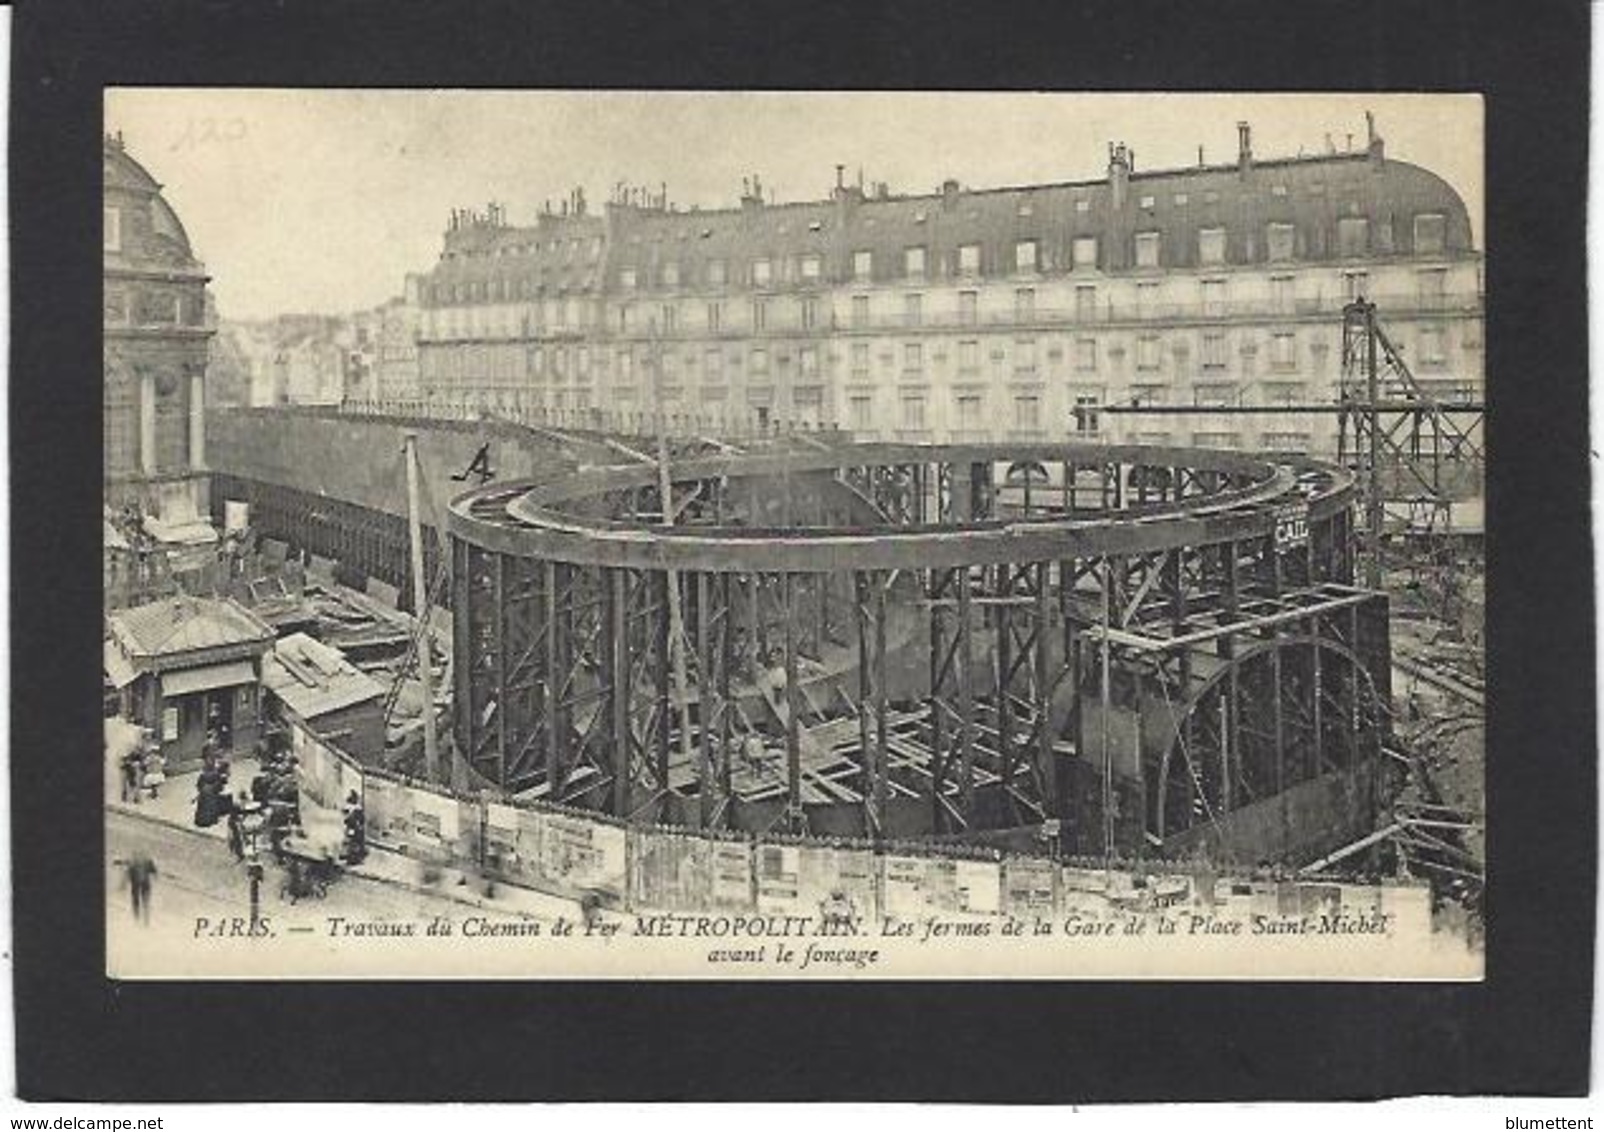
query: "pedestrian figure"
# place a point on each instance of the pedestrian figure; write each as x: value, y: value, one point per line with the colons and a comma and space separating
x: 236, y: 834
x: 356, y: 839
x: 131, y: 763
x: 139, y: 870
x: 155, y: 772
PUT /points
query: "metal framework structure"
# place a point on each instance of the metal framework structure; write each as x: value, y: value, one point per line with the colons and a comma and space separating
x: 1162, y: 650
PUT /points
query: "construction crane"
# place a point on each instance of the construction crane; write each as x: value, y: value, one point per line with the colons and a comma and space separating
x: 1400, y: 441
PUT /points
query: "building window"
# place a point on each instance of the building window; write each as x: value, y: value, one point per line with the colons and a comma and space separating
x: 1083, y: 205
x: 969, y: 259
x: 1278, y: 241
x: 860, y: 359
x: 1281, y: 294
x: 626, y: 364
x: 1353, y: 236
x: 759, y: 362
x: 626, y: 278
x: 1085, y: 304
x: 670, y: 318
x: 860, y: 412
x: 970, y: 420
x: 1181, y: 200
x: 913, y: 309
x: 1283, y: 352
x: 808, y: 361
x: 111, y: 237
x: 913, y: 262
x: 762, y: 272
x: 968, y: 307
x: 1088, y: 420
x: 1215, y: 395
x: 969, y: 356
x: 913, y: 412
x: 913, y: 357
x: 1083, y: 253
x: 1147, y: 246
x: 1025, y: 255
x: 1215, y: 440
x: 862, y: 265
x: 1086, y: 354
x: 1431, y: 346
x: 1214, y: 351
x: 1211, y: 245
x: 1150, y: 394
x: 1433, y: 286
x: 860, y: 310
x: 1355, y: 285
x: 1025, y: 304
x: 715, y: 316
x: 760, y: 314
x: 671, y: 275
x: 1146, y: 300
x: 1431, y: 233
x: 1027, y: 412
x: 717, y: 272
x: 810, y: 268
x: 1214, y: 297
x: 1147, y: 352
x: 810, y: 312
x: 1025, y: 355
x: 626, y: 318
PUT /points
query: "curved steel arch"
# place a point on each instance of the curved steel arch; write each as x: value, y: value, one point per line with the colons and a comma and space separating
x: 1158, y: 801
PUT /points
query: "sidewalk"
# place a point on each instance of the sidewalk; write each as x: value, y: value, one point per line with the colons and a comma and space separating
x: 175, y: 807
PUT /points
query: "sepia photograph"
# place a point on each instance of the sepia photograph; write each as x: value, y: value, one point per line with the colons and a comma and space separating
x: 927, y: 535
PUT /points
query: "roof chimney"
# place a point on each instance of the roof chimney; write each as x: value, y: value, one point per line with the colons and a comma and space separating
x: 1244, y: 147
x: 949, y: 193
x: 1119, y: 173
x: 1377, y: 148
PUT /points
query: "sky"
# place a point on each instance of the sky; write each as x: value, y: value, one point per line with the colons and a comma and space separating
x: 323, y: 200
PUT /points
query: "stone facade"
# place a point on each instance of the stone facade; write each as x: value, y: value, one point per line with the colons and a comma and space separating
x: 155, y: 349
x: 969, y: 314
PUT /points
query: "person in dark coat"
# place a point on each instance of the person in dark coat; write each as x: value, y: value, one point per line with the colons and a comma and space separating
x: 210, y: 801
x: 356, y: 834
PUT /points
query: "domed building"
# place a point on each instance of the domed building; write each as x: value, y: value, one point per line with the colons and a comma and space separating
x: 155, y: 346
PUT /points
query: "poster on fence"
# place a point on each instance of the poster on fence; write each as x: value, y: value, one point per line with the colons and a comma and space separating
x: 387, y: 806
x: 581, y: 855
x: 670, y: 870
x: 730, y: 868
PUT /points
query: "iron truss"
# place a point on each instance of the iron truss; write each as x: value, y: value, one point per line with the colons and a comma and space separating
x: 1160, y: 650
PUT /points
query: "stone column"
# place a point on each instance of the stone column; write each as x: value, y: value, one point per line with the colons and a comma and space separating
x: 147, y: 422
x: 197, y: 420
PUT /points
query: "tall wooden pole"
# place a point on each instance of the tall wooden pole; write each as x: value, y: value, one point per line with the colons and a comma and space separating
x: 420, y: 608
x: 676, y: 627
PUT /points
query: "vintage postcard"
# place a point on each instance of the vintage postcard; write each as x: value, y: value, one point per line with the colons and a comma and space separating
x: 793, y: 535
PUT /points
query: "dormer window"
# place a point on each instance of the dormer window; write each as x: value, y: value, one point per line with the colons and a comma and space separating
x: 1083, y: 205
x: 762, y: 272
x: 112, y: 234
x: 969, y: 259
x: 1147, y: 202
x: 671, y: 275
x: 1211, y: 245
x: 1431, y: 232
x: 626, y: 278
x: 913, y: 262
x: 1025, y: 258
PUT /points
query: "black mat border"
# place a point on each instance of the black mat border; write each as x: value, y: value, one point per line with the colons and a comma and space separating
x: 1524, y: 1031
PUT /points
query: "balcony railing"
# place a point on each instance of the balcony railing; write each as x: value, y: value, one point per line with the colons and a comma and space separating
x: 1104, y: 313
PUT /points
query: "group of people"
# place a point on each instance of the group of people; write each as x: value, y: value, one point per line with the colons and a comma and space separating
x: 144, y: 770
